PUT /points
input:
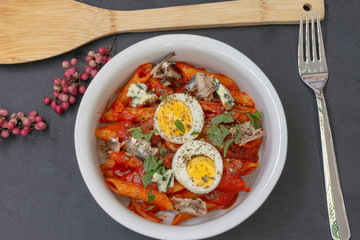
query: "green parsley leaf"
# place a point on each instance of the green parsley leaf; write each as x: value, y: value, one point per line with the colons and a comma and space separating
x: 151, y: 196
x: 212, y: 195
x: 238, y: 128
x: 227, y: 144
x: 194, y: 133
x: 149, y: 135
x: 254, y: 117
x: 151, y: 163
x: 146, y: 179
x: 180, y: 126
x: 133, y: 129
x: 163, y: 151
x: 150, y: 207
x: 217, y: 134
x: 222, y: 118
x: 137, y: 133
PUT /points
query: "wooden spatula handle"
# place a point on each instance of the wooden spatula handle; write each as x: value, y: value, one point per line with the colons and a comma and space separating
x: 220, y: 14
x: 39, y: 29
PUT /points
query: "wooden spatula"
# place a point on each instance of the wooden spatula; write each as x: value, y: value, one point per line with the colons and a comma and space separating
x: 39, y: 29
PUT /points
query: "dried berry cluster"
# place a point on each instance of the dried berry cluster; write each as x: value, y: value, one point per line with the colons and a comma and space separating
x: 19, y: 123
x: 66, y: 89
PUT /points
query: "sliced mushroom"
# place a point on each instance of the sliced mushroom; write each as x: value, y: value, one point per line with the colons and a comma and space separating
x: 195, y: 207
x: 140, y: 148
x: 204, y: 84
x: 165, y: 69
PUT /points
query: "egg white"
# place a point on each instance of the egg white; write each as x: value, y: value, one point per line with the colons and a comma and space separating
x: 186, y: 152
x: 197, y: 119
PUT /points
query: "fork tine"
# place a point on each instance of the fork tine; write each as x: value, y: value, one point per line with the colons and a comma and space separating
x: 313, y: 42
x: 307, y: 38
x: 301, y: 41
x: 322, y: 56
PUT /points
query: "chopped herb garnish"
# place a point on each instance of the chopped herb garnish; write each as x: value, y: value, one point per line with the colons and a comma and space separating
x: 146, y: 179
x: 254, y: 117
x: 194, y: 133
x: 148, y: 136
x: 212, y: 195
x: 217, y: 134
x: 222, y: 118
x: 151, y: 163
x: 233, y: 169
x: 133, y: 129
x: 227, y: 144
x: 163, y: 151
x: 151, y: 196
x: 239, y: 133
x: 180, y: 126
x: 137, y: 133
x: 150, y: 207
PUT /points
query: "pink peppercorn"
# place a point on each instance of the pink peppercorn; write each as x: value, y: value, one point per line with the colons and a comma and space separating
x: 53, y: 104
x: 55, y: 93
x: 46, y: 100
x: 72, y: 99
x: 66, y: 64
x: 38, y: 118
x: 5, y: 134
x: 84, y: 76
x: 4, y: 112
x: 28, y: 129
x: 21, y: 114
x: 98, y: 59
x: 4, y: 124
x: 82, y: 89
x: 65, y: 105
x: 10, y: 125
x: 58, y: 109
x: 88, y: 70
x: 92, y: 63
x: 16, y: 131
x: 32, y: 113
x: 103, y: 51
x: 27, y: 122
x: 65, y: 89
x: 40, y: 126
x: 64, y: 82
x: 74, y: 61
x: 24, y: 133
x: 88, y: 58
x: 91, y: 53
x: 94, y: 72
x: 56, y: 81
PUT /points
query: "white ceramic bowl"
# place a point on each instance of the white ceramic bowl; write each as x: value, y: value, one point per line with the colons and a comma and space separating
x: 218, y: 58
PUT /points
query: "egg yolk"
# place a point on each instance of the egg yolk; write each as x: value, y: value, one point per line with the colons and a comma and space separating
x: 171, y: 111
x: 201, y: 170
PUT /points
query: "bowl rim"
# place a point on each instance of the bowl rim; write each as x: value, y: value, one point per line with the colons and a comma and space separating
x: 212, y: 227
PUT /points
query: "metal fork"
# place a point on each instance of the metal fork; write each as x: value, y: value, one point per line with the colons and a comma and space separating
x: 314, y: 72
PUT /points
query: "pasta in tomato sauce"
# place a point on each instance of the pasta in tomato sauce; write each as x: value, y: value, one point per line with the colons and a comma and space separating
x: 179, y: 138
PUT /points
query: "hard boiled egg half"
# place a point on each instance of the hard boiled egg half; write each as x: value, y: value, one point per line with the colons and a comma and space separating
x: 179, y: 118
x: 198, y: 166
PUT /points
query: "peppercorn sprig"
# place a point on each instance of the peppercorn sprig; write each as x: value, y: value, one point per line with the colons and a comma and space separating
x: 67, y: 88
x: 19, y: 123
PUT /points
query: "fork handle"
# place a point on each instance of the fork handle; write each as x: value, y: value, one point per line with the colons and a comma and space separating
x: 339, y: 225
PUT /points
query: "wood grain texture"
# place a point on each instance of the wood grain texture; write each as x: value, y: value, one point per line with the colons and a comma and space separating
x: 39, y: 29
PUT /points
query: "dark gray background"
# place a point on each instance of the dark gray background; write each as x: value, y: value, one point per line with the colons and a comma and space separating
x: 43, y: 195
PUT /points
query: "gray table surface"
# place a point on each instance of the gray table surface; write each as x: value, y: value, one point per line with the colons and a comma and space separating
x: 43, y: 195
